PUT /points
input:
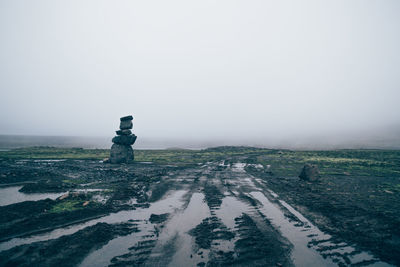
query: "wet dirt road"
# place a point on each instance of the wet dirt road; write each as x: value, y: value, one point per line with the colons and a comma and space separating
x: 214, y: 214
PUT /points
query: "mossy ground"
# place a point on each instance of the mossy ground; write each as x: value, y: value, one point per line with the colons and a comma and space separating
x: 283, y: 162
x: 69, y: 205
x: 354, y: 164
x: 356, y: 199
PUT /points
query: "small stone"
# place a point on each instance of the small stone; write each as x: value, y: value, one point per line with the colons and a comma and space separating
x: 309, y: 173
x: 121, y: 154
x: 127, y: 118
x: 124, y: 132
x: 126, y: 125
x: 124, y: 139
x: 64, y: 196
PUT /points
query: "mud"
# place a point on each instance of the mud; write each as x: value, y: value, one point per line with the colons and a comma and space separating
x: 158, y: 218
x: 345, y: 208
x: 66, y: 250
x: 36, y: 216
x: 208, y: 230
x: 229, y: 212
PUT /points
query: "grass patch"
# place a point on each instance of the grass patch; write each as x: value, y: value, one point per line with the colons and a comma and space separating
x: 68, y: 205
x: 55, y: 153
x: 75, y: 181
x: 283, y: 162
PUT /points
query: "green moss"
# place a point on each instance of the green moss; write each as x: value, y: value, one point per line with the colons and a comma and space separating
x: 283, y: 162
x: 54, y: 153
x: 74, y: 181
x: 67, y: 205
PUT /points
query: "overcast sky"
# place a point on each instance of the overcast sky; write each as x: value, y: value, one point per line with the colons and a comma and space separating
x: 200, y: 69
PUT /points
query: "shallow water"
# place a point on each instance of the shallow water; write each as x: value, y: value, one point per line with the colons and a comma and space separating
x: 168, y: 204
x: 302, y: 255
x: 11, y: 195
x: 302, y: 233
x: 172, y: 245
x: 180, y: 225
x: 118, y: 246
x: 121, y: 245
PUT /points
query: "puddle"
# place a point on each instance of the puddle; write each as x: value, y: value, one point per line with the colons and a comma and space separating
x: 168, y: 204
x: 302, y: 255
x: 302, y: 235
x: 101, y: 199
x: 178, y: 227
x: 230, y: 209
x: 257, y: 166
x: 170, y: 243
x: 11, y: 195
x: 118, y: 246
x: 238, y: 167
x: 86, y: 190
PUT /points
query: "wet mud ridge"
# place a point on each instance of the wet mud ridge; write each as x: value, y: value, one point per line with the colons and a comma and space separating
x: 212, y: 214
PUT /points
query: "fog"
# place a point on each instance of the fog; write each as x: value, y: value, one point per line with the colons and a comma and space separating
x: 268, y: 73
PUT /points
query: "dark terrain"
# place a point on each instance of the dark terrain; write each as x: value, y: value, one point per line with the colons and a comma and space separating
x: 235, y: 206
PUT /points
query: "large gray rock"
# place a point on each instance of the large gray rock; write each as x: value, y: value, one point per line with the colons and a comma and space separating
x: 126, y: 125
x: 121, y: 154
x: 309, y: 173
x: 124, y: 139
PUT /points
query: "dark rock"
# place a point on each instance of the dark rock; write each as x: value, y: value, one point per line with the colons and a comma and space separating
x: 126, y: 125
x: 158, y: 218
x: 121, y: 154
x: 124, y: 139
x: 309, y: 173
x: 124, y: 132
x: 127, y: 118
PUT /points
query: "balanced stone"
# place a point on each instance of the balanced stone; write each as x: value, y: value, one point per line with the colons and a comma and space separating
x: 127, y: 118
x: 126, y: 125
x: 124, y: 132
x: 121, y: 150
x: 121, y: 154
x: 124, y: 139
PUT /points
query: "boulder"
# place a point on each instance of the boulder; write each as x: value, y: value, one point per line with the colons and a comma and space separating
x: 126, y: 125
x: 124, y: 132
x: 309, y: 173
x: 121, y: 154
x: 127, y: 140
x: 127, y: 118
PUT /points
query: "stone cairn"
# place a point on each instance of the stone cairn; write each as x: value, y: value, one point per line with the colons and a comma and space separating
x: 121, y: 150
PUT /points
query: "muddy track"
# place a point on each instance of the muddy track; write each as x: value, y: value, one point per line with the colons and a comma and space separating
x: 212, y: 214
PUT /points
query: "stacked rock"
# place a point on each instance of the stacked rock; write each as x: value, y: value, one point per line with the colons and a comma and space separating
x: 121, y: 150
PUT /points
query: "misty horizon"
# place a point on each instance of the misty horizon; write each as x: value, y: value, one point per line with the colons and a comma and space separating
x: 307, y: 75
x: 389, y: 139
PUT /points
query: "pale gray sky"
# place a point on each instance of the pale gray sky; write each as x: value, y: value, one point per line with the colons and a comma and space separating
x: 243, y: 70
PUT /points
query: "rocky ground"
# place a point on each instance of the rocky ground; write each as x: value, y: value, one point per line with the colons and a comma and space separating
x: 223, y: 206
